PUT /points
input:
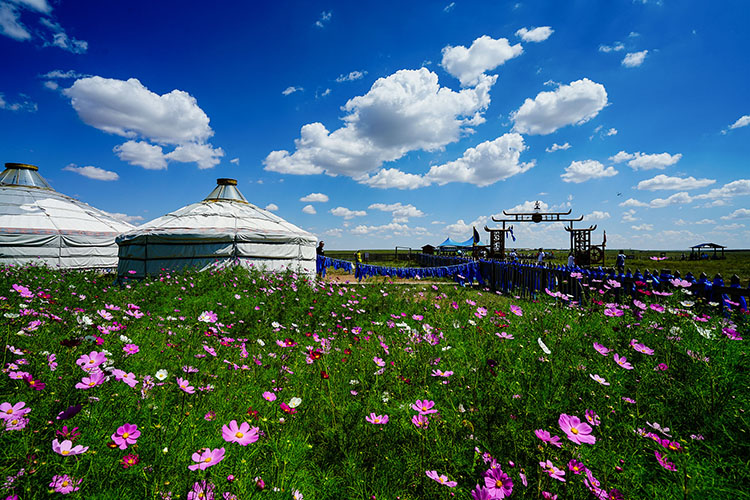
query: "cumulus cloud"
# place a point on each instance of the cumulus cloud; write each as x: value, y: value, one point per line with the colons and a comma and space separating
x: 539, y: 34
x: 346, y: 213
x: 740, y: 213
x: 96, y: 173
x: 485, y: 54
x: 204, y: 155
x: 272, y: 207
x: 634, y: 59
x: 58, y: 74
x: 309, y: 209
x: 401, y: 213
x: 485, y: 164
x: 629, y: 216
x: 557, y: 147
x: 743, y: 121
x: 388, y: 178
x: 393, y: 228
x: 128, y: 109
x: 403, y: 112
x: 234, y: 161
x: 740, y: 187
x: 615, y: 47
x: 598, y: 215
x: 576, y: 103
x: 582, y: 171
x: 291, y: 90
x: 641, y: 161
x: 354, y: 75
x: 680, y: 198
x: 315, y: 197
x: 130, y: 219
x: 644, y: 227
x: 632, y: 202
x: 664, y: 182
x: 611, y: 132
x: 143, y: 154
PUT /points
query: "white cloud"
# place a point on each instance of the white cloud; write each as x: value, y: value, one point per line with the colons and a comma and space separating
x: 325, y: 93
x: 315, y: 197
x: 309, y: 209
x: 272, y: 207
x: 388, y: 178
x: 334, y: 233
x: 740, y: 213
x: 582, y: 171
x: 205, y: 155
x: 598, y: 215
x: 354, y: 75
x: 576, y: 103
x: 62, y: 40
x: 10, y: 23
x: 401, y: 213
x: 705, y: 221
x: 629, y: 216
x: 392, y: 228
x: 662, y: 181
x: 557, y: 147
x: 485, y: 164
x: 615, y: 47
x: 641, y: 161
x: 291, y: 90
x: 51, y: 85
x: 93, y: 172
x: 632, y: 202
x: 128, y: 109
x: 130, y: 219
x: 325, y: 18
x: 40, y: 6
x: 485, y: 54
x: 644, y: 227
x: 346, y: 213
x: 680, y: 198
x: 404, y: 112
x: 743, y: 121
x: 449, y: 7
x: 729, y: 227
x: 539, y: 34
x: 234, y: 161
x: 63, y: 75
x: 611, y: 132
x: 740, y: 187
x: 528, y: 206
x: 634, y: 59
x: 143, y: 154
x: 24, y: 105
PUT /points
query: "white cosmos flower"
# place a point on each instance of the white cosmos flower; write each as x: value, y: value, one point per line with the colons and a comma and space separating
x: 294, y: 402
x: 162, y: 374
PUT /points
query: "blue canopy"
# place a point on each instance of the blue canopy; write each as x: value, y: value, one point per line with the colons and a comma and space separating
x: 450, y: 243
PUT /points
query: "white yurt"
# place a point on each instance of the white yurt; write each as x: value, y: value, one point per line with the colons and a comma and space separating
x: 222, y: 230
x: 38, y: 224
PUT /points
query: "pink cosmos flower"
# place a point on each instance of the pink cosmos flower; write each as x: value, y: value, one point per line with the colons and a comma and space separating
x: 242, y: 434
x: 23, y: 291
x: 657, y: 307
x: 481, y: 493
x: 269, y: 396
x: 613, y: 312
x: 442, y: 479
x: 576, y: 431
x: 185, y: 386
x: 664, y: 463
x: 441, y: 373
x: 208, y: 317
x: 90, y: 362
x: 592, y: 417
x: 548, y: 496
x: 516, y: 310
x: 377, y: 419
x: 576, y: 467
x: 105, y: 314
x: 640, y: 305
x: 420, y: 421
x: 378, y: 361
x: 424, y: 407
x: 126, y: 435
x: 66, y: 448
x: 505, y: 335
x: 9, y: 411
x: 553, y: 471
x: 545, y: 436
x: 641, y: 347
x: 128, y: 378
x: 498, y: 483
x: 202, y: 490
x: 623, y: 362
x: 130, y: 349
x: 597, y: 378
x: 601, y: 349
x: 207, y: 458
x: 64, y: 484
x: 91, y: 381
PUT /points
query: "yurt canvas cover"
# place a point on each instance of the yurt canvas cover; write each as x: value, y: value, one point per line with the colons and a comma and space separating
x: 223, y: 229
x: 38, y: 224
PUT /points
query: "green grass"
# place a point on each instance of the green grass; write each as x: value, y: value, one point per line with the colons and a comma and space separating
x: 500, y: 392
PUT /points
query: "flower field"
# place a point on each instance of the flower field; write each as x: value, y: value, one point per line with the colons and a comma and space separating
x: 235, y: 384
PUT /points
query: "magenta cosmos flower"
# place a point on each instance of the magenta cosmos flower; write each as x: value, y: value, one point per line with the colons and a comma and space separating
x: 64, y: 484
x: 91, y: 381
x: 208, y: 317
x: 553, y: 471
x: 597, y: 378
x: 420, y: 421
x: 269, y: 396
x: 126, y: 435
x: 664, y: 463
x: 66, y: 448
x: 377, y: 419
x: 498, y: 483
x: 442, y: 479
x: 242, y: 434
x: 424, y: 407
x: 9, y: 411
x: 601, y: 349
x: 623, y: 362
x: 547, y: 438
x: 185, y: 386
x: 128, y: 378
x: 206, y: 458
x: 90, y: 362
x: 516, y: 310
x: 577, y: 431
x: 592, y: 417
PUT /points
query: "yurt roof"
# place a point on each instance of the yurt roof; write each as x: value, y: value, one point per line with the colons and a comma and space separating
x: 28, y: 204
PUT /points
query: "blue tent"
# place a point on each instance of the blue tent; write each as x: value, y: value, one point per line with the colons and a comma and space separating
x: 450, y: 243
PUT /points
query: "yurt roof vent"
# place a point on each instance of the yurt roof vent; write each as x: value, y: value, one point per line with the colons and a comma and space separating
x: 226, y: 190
x: 21, y: 174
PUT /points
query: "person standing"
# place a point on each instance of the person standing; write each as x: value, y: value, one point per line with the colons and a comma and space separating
x: 620, y: 262
x: 540, y: 257
x: 571, y: 260
x: 319, y: 251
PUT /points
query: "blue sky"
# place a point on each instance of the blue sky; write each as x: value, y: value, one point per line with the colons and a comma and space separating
x: 393, y: 123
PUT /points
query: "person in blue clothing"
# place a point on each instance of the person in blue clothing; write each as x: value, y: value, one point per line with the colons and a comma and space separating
x: 620, y: 262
